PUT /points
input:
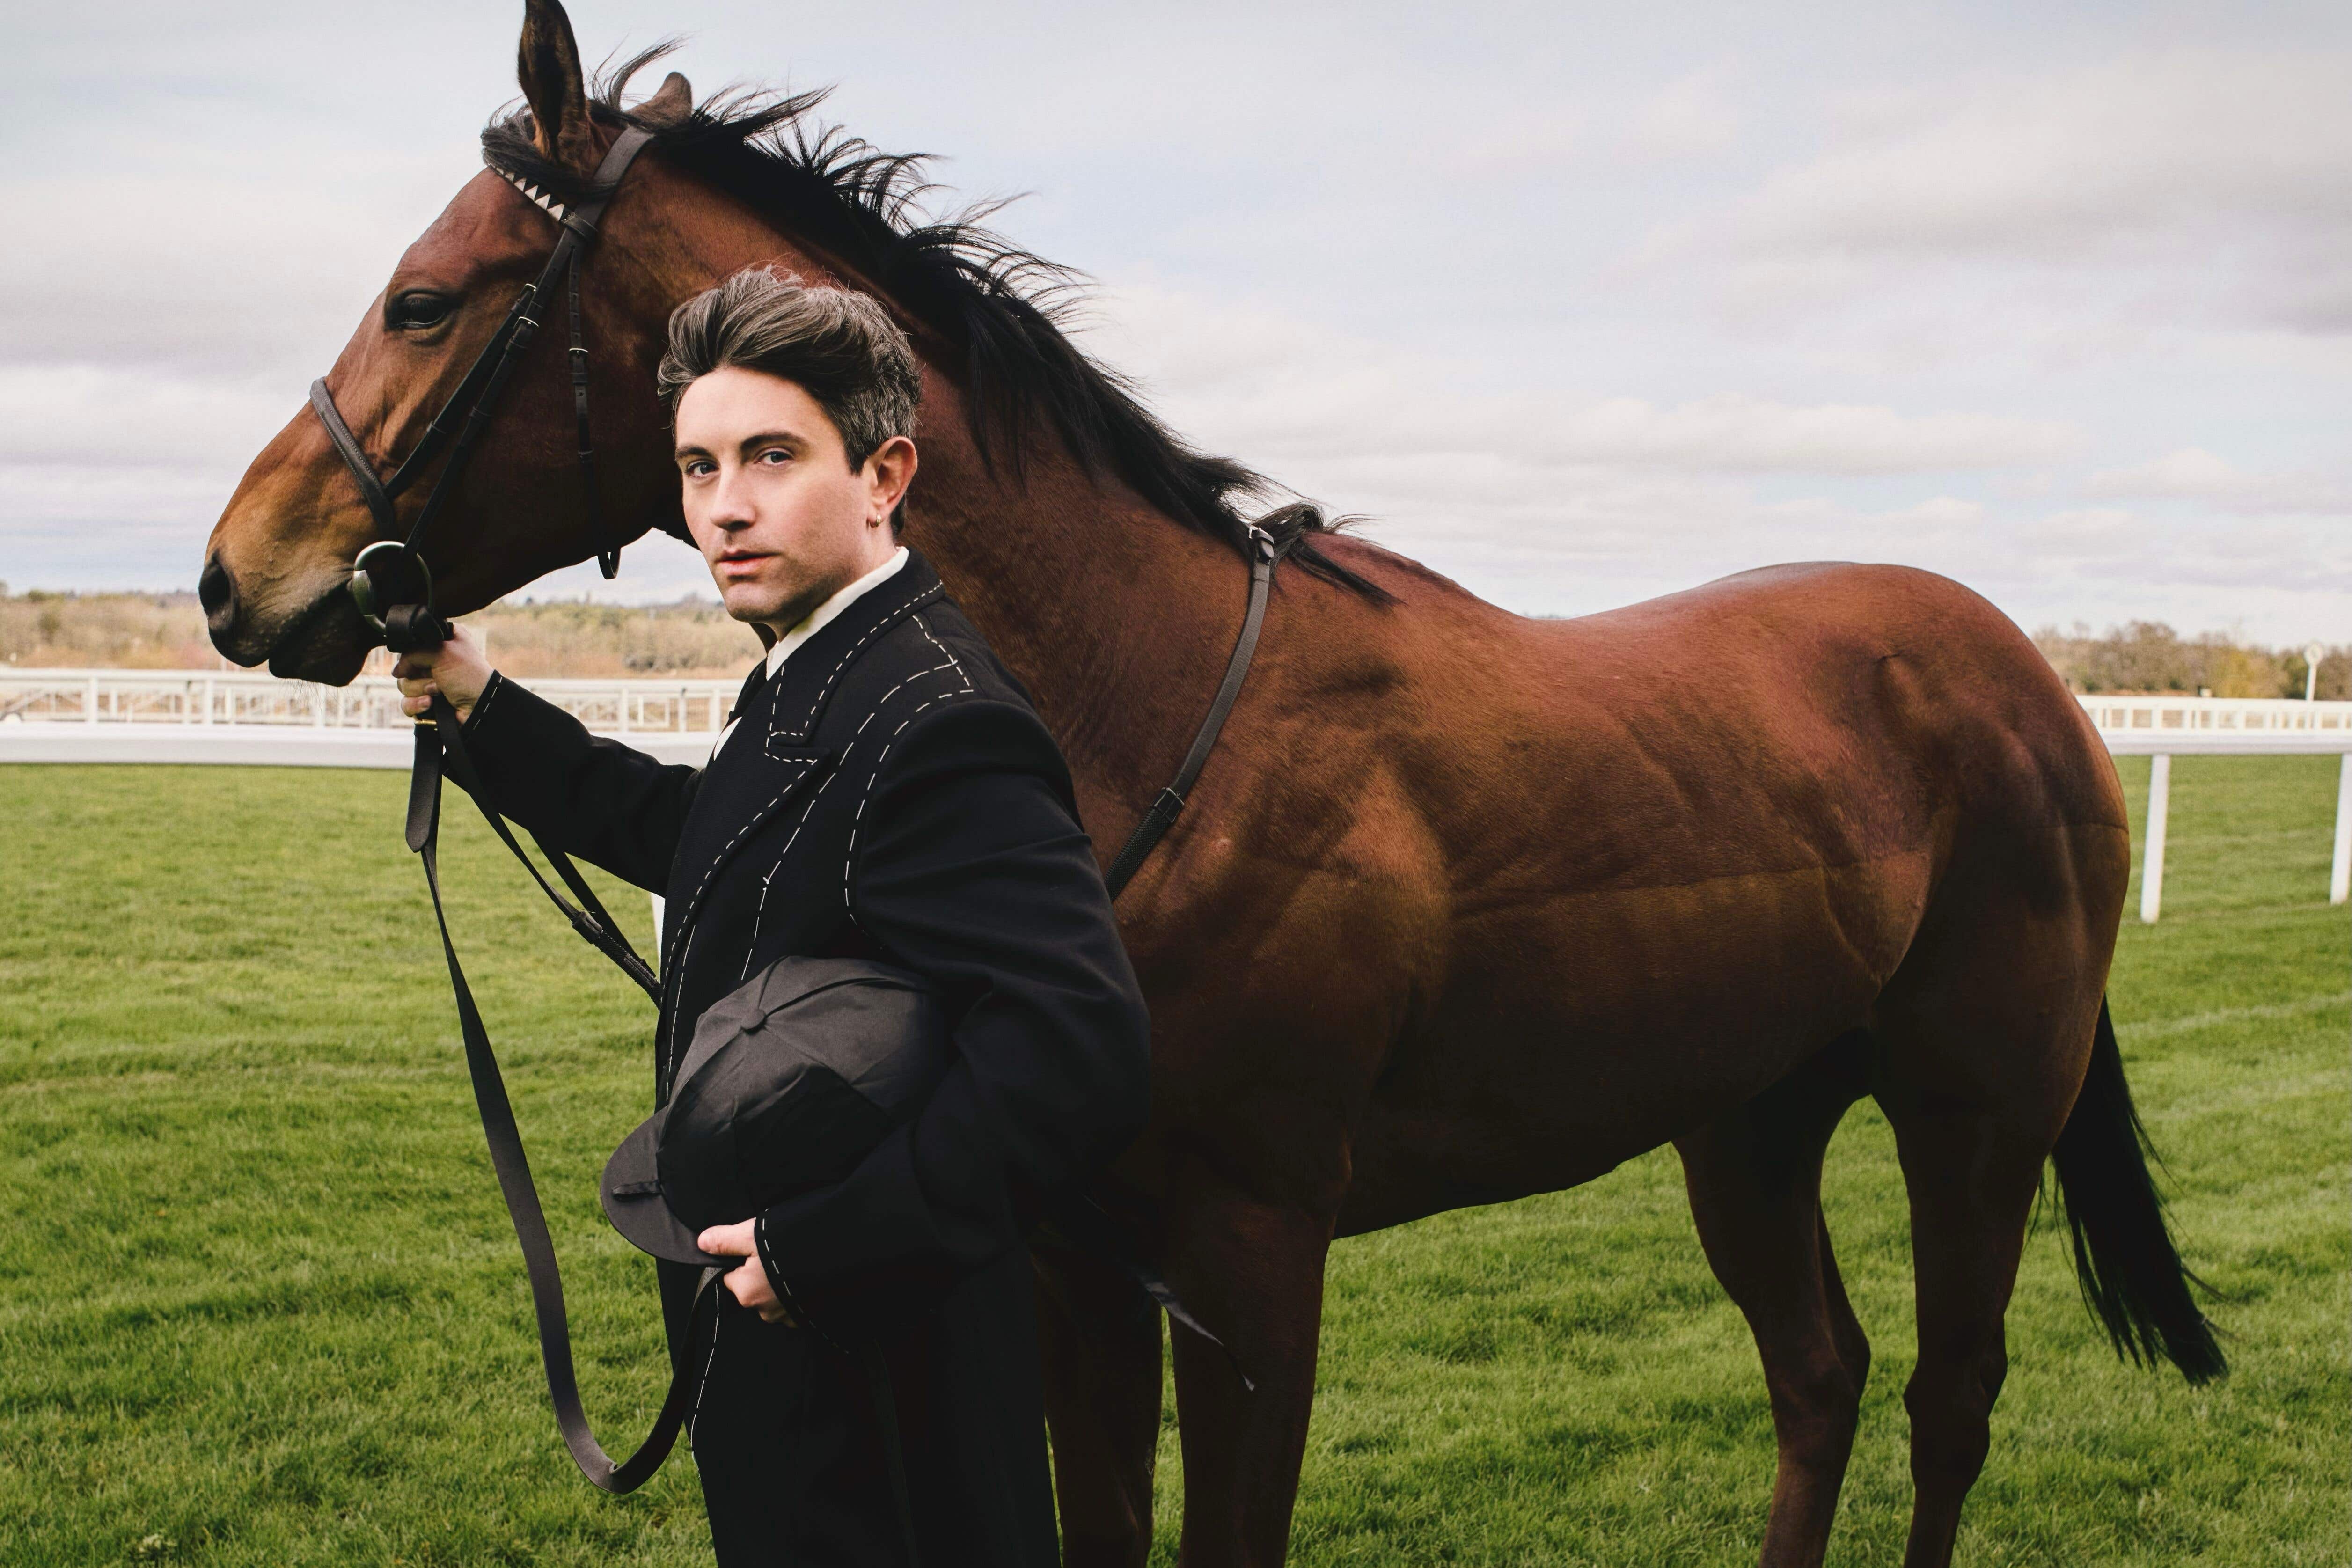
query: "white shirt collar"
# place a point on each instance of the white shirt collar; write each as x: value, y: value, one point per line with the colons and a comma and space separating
x: 817, y: 619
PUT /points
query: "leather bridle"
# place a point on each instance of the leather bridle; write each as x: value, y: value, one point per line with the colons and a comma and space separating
x: 390, y: 580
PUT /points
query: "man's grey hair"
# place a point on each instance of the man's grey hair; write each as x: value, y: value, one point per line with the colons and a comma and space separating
x: 840, y: 347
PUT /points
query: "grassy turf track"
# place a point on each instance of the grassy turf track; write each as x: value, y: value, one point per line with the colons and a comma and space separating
x: 259, y: 1304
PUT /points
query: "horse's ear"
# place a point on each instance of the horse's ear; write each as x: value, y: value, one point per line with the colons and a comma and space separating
x: 670, y: 106
x: 548, y: 63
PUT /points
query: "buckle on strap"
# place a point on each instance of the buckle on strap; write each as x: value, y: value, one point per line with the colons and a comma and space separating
x: 386, y: 575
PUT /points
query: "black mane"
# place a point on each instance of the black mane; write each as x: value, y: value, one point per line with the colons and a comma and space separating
x: 997, y: 306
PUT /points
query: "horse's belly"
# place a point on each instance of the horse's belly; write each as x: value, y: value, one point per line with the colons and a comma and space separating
x: 1583, y: 1029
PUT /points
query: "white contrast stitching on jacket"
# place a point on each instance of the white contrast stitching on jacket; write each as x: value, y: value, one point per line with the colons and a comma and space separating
x: 857, y: 820
x: 840, y: 766
x: 704, y: 1380
x: 490, y: 689
x: 801, y: 733
x: 768, y: 881
x: 695, y: 902
x: 925, y: 627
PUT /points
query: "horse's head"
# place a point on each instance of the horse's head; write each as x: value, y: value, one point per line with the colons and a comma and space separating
x: 1016, y: 420
x: 275, y: 569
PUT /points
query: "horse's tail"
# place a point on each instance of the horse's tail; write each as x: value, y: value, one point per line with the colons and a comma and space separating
x: 2130, y: 1272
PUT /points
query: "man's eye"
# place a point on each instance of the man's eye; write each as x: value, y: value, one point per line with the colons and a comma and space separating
x: 775, y: 456
x: 697, y: 468
x: 416, y: 308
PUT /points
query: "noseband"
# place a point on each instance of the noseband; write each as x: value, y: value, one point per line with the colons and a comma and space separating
x: 390, y: 580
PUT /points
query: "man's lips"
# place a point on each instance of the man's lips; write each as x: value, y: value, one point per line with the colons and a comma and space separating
x: 741, y: 562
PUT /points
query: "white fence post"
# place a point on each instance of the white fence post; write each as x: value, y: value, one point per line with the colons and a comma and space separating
x: 2339, y: 873
x: 2160, y: 811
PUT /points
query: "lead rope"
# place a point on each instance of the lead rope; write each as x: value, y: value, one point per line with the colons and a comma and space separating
x: 512, y: 1167
x: 444, y: 737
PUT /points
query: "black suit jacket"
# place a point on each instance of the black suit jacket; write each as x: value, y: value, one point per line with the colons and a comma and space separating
x: 890, y: 793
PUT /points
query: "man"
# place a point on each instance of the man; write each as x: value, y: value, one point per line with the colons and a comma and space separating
x: 885, y: 790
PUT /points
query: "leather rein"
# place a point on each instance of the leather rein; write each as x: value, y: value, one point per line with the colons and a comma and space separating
x: 393, y: 589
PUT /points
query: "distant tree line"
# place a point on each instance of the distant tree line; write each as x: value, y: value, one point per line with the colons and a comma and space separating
x: 694, y: 637
x: 135, y: 631
x: 2149, y: 657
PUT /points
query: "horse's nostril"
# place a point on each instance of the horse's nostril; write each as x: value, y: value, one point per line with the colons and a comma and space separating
x: 217, y: 592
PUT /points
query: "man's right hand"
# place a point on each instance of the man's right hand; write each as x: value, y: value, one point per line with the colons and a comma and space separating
x: 456, y: 669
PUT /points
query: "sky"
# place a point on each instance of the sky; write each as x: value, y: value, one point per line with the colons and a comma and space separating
x: 1577, y: 304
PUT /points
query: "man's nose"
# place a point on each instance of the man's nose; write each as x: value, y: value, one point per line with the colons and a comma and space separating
x: 730, y: 501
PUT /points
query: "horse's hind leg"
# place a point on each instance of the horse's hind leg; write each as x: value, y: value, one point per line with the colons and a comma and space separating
x: 1984, y: 1049
x: 1755, y: 1178
x: 1972, y: 1181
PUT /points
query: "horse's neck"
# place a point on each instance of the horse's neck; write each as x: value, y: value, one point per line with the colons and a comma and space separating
x: 1116, y: 618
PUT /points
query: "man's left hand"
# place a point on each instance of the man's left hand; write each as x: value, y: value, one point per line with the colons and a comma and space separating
x: 748, y: 1284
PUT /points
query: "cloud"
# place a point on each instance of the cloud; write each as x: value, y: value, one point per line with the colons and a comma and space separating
x: 181, y: 264
x: 1559, y: 502
x: 2063, y: 163
x: 110, y: 417
x: 2193, y: 473
x: 1275, y: 388
x: 114, y: 474
x: 1690, y: 116
x: 2196, y: 181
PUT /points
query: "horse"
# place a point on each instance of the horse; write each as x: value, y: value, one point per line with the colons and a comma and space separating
x: 1466, y: 907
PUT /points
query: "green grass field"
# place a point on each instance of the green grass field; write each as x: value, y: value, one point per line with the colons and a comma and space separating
x: 259, y: 1304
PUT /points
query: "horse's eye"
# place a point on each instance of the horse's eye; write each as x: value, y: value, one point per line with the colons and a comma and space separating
x: 416, y: 308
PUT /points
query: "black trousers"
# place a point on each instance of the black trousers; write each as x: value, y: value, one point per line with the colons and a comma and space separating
x: 789, y: 1442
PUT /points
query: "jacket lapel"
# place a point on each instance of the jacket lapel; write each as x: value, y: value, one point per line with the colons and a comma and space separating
x: 777, y: 752
x: 813, y: 673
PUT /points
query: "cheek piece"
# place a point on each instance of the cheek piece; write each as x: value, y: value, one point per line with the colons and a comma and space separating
x: 390, y: 583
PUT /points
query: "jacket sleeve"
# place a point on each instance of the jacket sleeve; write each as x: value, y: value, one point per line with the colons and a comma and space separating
x: 606, y: 802
x: 968, y: 866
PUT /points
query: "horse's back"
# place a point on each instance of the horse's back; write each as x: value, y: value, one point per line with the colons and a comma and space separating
x: 1688, y: 842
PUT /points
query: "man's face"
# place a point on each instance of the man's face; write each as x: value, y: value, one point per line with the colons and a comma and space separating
x: 771, y: 499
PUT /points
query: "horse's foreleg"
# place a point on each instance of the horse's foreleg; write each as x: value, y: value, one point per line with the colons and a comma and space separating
x: 1253, y: 1272
x: 1755, y: 1182
x: 1100, y: 1336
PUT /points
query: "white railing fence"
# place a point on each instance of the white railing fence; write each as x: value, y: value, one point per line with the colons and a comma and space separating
x: 242, y: 698
x: 2171, y: 726
x: 243, y: 716
x: 2162, y: 727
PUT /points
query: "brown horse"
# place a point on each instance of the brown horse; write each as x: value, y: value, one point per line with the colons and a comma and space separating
x: 1466, y: 906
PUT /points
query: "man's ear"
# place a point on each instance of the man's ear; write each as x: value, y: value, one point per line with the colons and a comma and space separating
x: 671, y: 104
x: 548, y: 64
x: 893, y: 468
